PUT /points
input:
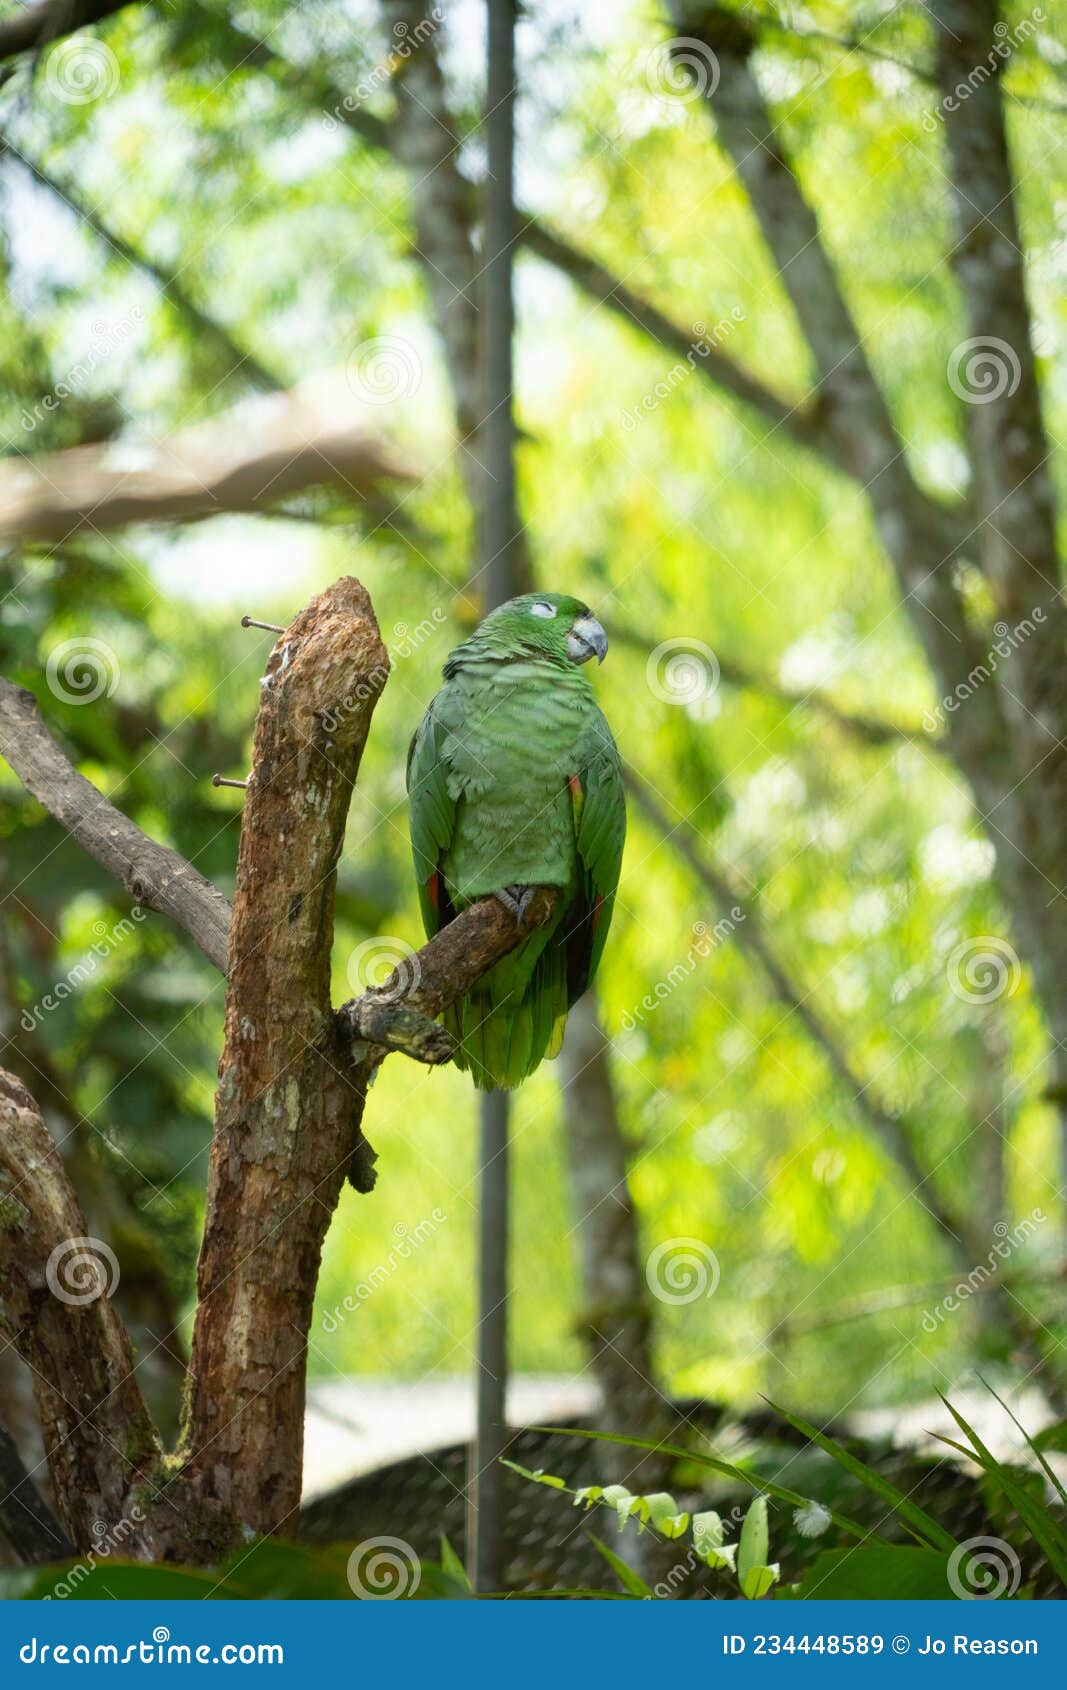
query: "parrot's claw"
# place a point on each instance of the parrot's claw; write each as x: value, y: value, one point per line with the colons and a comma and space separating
x: 516, y: 900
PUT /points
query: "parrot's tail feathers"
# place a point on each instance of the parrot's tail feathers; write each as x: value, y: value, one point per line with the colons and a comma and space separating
x: 504, y: 1034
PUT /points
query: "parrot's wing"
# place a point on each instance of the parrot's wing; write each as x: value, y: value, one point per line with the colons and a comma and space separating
x: 600, y: 831
x: 431, y: 818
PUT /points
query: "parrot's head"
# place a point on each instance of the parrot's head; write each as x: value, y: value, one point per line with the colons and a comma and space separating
x: 545, y: 625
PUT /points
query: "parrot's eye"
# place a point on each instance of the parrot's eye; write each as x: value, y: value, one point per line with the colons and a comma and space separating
x: 542, y: 609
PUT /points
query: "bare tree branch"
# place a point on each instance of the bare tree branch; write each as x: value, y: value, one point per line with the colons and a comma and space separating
x: 203, y: 471
x: 154, y: 875
x: 799, y: 424
x: 238, y: 359
x: 445, y: 242
x: 38, y: 25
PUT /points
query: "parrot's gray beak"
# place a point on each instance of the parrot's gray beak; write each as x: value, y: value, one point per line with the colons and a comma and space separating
x: 587, y: 639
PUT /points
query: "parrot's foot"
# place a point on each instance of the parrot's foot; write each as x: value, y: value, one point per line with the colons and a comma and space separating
x: 516, y: 900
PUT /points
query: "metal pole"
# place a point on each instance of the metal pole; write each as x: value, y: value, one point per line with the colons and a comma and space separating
x: 499, y: 556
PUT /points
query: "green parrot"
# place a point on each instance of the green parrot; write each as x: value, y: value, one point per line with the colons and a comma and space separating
x: 514, y: 781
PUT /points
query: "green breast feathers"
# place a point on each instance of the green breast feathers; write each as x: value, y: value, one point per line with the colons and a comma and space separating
x: 514, y: 781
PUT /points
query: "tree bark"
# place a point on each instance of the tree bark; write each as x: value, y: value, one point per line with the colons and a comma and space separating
x: 287, y: 1112
x: 54, y: 1288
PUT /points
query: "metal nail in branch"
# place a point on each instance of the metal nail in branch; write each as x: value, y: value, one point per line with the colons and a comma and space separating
x: 500, y: 577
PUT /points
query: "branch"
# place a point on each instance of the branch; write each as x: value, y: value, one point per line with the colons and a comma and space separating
x: 37, y: 26
x: 424, y: 138
x: 26, y: 1520
x: 54, y: 1292
x: 201, y: 472
x: 154, y: 875
x: 804, y: 426
x: 398, y: 1014
x: 1006, y: 431
x: 922, y: 537
x: 238, y: 359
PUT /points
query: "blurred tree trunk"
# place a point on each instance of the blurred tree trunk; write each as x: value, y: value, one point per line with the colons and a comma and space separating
x: 616, y: 1318
x: 1006, y: 721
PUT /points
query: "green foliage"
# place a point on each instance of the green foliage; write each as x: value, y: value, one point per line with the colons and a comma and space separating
x: 747, y: 1560
x: 863, y: 858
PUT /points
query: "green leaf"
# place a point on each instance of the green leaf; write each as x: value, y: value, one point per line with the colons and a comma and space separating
x: 630, y: 1581
x: 916, y: 1519
x: 539, y: 1476
x: 588, y: 1494
x: 712, y: 1463
x: 452, y: 1565
x: 755, y: 1540
x: 708, y: 1542
x: 1049, y: 1473
x: 759, y: 1580
x: 893, y: 1572
x: 665, y: 1516
x: 1040, y: 1523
